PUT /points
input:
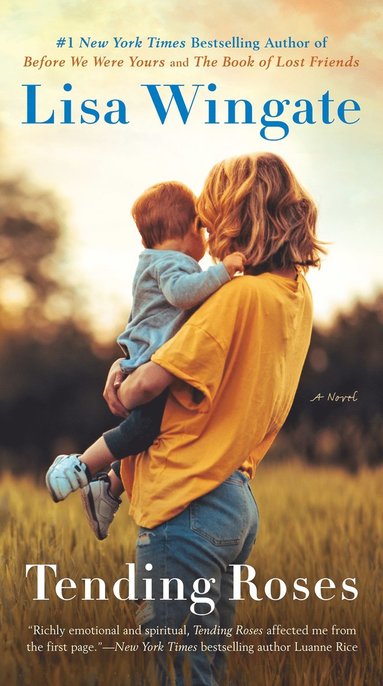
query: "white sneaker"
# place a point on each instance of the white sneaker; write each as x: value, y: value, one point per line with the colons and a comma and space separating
x: 100, y: 505
x: 65, y: 475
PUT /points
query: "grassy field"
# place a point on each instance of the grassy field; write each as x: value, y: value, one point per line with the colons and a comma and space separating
x: 314, y: 523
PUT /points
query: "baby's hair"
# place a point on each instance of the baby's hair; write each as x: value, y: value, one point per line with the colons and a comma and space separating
x: 163, y: 212
x: 254, y: 204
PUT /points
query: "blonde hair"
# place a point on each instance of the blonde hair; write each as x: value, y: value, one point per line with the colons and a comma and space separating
x: 164, y: 211
x: 254, y: 204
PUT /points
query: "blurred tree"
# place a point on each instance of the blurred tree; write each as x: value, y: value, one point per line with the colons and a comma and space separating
x: 52, y: 373
x: 30, y: 233
x: 344, y: 360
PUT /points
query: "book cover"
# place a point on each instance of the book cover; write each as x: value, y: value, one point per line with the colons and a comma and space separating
x: 99, y: 102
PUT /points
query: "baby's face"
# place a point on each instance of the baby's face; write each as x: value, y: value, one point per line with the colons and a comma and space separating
x: 196, y: 240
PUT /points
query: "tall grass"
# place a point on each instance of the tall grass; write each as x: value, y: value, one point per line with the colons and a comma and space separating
x: 315, y: 523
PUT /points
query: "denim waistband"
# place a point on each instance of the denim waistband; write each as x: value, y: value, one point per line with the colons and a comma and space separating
x: 241, y: 475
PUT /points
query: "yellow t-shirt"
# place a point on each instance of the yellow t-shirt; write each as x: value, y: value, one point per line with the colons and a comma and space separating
x: 244, y: 348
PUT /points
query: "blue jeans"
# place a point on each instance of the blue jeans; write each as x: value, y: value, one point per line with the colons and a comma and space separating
x: 213, y: 532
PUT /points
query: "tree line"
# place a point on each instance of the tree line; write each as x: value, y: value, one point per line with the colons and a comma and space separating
x: 53, y: 372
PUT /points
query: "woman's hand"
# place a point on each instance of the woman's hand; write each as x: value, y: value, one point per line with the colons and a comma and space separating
x: 110, y: 394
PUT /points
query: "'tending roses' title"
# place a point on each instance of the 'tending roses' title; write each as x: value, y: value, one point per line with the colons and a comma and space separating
x: 45, y: 576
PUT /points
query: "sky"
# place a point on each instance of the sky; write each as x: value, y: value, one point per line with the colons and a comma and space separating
x: 98, y: 170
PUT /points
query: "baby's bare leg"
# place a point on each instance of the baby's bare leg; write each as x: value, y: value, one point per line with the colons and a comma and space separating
x: 98, y: 457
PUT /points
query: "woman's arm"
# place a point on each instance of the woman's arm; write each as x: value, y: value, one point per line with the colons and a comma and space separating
x: 144, y: 384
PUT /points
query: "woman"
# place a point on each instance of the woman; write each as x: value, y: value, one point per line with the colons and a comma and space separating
x: 233, y: 370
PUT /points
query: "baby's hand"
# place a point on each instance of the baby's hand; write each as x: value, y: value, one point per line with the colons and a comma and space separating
x: 234, y: 262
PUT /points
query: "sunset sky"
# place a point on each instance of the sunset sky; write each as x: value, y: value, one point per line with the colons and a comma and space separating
x: 98, y: 170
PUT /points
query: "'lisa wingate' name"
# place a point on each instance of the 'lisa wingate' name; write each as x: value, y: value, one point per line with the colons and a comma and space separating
x: 274, y: 116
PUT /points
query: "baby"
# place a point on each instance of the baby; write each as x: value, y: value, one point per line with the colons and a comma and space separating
x: 167, y: 286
